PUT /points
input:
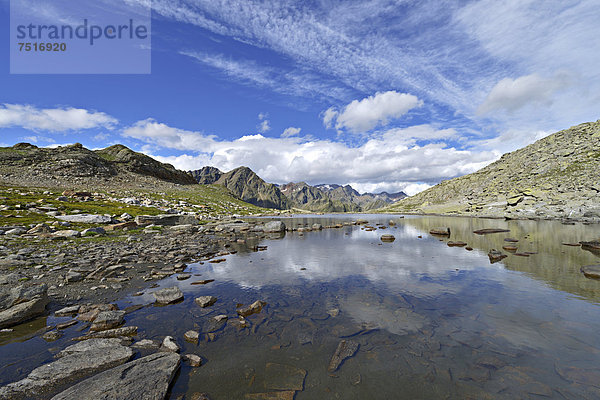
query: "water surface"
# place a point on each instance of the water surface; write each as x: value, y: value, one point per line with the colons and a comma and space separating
x: 432, y: 321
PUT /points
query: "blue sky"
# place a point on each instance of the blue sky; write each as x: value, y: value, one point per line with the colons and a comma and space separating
x: 384, y: 95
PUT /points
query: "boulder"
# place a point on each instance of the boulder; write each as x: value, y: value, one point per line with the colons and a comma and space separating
x: 21, y: 303
x: 169, y: 344
x: 150, y: 376
x: 274, y: 226
x: 191, y: 336
x: 93, y: 231
x: 75, y: 362
x: 85, y: 218
x: 168, y: 295
x: 440, y: 231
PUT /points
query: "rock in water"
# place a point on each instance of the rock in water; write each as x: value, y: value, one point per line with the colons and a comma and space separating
x: 168, y: 295
x: 490, y: 230
x: 253, y: 308
x: 75, y: 362
x: 205, y: 301
x: 387, y: 238
x: 169, y: 344
x: 591, y: 271
x: 274, y: 226
x: 148, y: 378
x: 345, y: 349
x: 495, y: 256
x: 21, y: 303
x: 284, y: 377
x: 440, y: 231
x: 456, y: 244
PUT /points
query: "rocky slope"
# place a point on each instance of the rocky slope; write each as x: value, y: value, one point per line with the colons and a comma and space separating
x: 308, y: 197
x: 27, y: 165
x: 555, y: 177
x: 365, y: 201
x: 246, y: 185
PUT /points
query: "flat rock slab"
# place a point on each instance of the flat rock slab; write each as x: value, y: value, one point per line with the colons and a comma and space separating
x: 284, y: 377
x: 146, y: 378
x: 591, y: 271
x: 456, y: 244
x: 274, y: 226
x: 440, y: 231
x: 490, y: 230
x: 387, y: 238
x: 345, y: 349
x: 85, y: 218
x: 168, y: 295
x: 75, y: 362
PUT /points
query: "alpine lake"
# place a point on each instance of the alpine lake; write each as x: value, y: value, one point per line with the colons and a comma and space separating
x: 412, y: 318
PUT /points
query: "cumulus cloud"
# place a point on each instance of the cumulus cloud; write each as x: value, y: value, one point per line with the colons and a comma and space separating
x: 363, y: 115
x: 53, y: 119
x: 392, y: 158
x: 513, y: 94
x: 291, y: 131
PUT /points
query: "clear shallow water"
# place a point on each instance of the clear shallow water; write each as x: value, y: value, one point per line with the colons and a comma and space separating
x: 432, y: 321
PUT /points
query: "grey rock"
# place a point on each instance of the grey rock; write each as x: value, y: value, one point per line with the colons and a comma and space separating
x: 110, y: 333
x: 193, y: 359
x: 168, y: 295
x: 274, y: 226
x: 146, y: 378
x: 591, y: 271
x: 21, y: 303
x: 166, y: 219
x: 75, y: 362
x: 15, y: 231
x: 93, y: 231
x: 107, y: 320
x: 74, y: 276
x: 170, y: 345
x: 253, y: 308
x: 85, y: 218
x: 191, y: 336
x: 68, y: 233
x: 67, y: 311
x: 146, y: 344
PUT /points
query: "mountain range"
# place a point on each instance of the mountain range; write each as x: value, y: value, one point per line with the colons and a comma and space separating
x: 249, y: 187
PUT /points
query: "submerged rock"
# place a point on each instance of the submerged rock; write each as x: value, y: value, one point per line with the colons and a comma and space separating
x: 345, y: 349
x: 490, y: 230
x: 150, y: 376
x: 284, y: 377
x: 75, y: 362
x: 168, y: 295
x: 253, y: 308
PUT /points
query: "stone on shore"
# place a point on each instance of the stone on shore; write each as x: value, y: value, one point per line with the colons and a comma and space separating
x: 85, y: 218
x: 150, y: 376
x: 168, y: 295
x: 75, y: 362
x: 21, y: 303
x: 66, y: 234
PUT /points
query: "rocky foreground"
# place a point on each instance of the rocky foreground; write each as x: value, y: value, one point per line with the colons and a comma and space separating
x: 557, y: 177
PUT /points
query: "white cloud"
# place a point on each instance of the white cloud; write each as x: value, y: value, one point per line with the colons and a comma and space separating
x: 264, y: 126
x: 53, y: 119
x: 36, y: 139
x: 391, y: 158
x: 291, y: 131
x: 513, y: 94
x: 364, y: 115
